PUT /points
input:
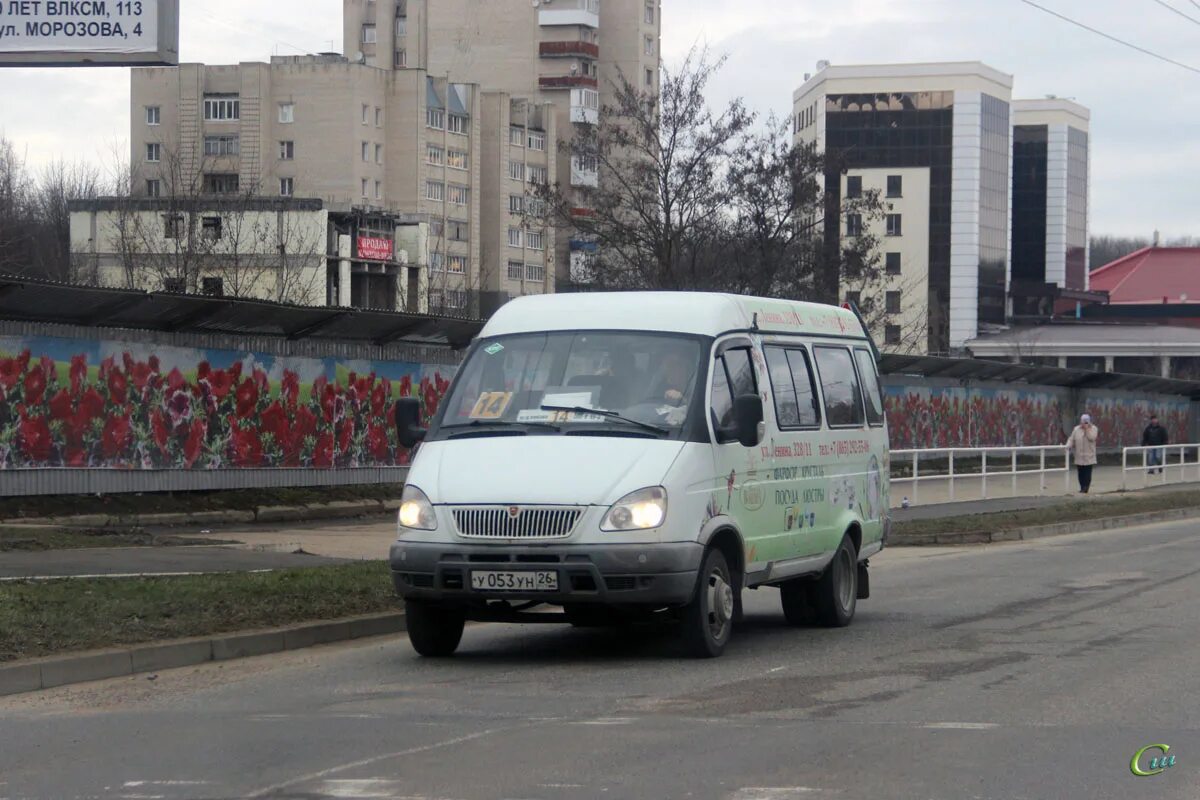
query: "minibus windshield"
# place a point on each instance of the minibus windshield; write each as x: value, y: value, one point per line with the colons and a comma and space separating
x: 546, y: 383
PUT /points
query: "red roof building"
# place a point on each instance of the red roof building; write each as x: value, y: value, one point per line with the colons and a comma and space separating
x: 1154, y: 284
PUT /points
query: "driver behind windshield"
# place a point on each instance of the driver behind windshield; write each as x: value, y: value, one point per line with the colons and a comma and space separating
x: 676, y: 379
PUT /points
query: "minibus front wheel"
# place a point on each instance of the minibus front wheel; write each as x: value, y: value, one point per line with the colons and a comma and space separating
x: 433, y: 630
x: 708, y: 618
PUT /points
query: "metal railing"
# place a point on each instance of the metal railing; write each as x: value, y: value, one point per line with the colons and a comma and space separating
x: 1170, y: 473
x: 1011, y: 467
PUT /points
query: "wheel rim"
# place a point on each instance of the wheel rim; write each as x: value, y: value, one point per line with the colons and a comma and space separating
x: 844, y: 574
x: 719, y: 604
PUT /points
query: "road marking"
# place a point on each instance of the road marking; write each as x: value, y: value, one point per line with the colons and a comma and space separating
x: 364, y: 788
x: 772, y: 792
x: 776, y: 669
x: 606, y: 721
x: 961, y: 726
x: 316, y: 776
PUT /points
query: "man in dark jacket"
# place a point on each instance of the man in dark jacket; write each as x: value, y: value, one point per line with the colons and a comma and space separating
x: 1154, y: 436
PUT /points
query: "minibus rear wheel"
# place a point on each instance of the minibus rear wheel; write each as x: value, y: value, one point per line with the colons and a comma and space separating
x: 834, y: 595
x: 433, y: 630
x: 708, y: 619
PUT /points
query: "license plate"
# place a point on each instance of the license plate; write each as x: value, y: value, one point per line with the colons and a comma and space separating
x: 544, y: 580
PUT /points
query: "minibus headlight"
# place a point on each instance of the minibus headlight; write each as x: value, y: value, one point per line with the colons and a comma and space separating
x: 416, y: 512
x: 637, y: 511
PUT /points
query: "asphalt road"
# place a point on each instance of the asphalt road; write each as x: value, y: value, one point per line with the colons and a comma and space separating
x: 1030, y: 670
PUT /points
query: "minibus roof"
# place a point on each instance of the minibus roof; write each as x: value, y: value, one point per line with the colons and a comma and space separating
x: 702, y: 313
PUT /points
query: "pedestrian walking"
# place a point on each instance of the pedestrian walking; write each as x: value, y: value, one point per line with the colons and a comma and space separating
x: 1082, y: 444
x: 1155, y: 436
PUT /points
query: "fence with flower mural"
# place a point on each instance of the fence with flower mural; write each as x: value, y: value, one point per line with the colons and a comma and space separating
x: 98, y: 404
x: 925, y: 413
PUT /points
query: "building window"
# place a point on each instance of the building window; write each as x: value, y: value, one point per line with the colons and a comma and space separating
x: 458, y: 124
x: 538, y: 175
x: 222, y: 145
x: 459, y: 195
x: 891, y: 334
x: 457, y: 159
x: 516, y: 170
x: 854, y: 224
x: 892, y: 302
x: 648, y: 45
x: 537, y: 140
x: 378, y: 154
x: 516, y: 136
x: 153, y: 115
x: 435, y: 190
x: 457, y: 265
x: 366, y: 151
x: 401, y: 59
x: 287, y: 113
x: 514, y: 237
x: 649, y: 12
x: 213, y: 287
x: 892, y: 261
x: 435, y: 155
x: 516, y: 270
x: 459, y: 231
x: 535, y: 272
x: 895, y: 186
x: 894, y: 227
x: 534, y: 240
x: 649, y: 77
x: 154, y: 187
x: 854, y: 297
x: 435, y: 118
x: 210, y: 228
x: 378, y: 190
x: 535, y: 207
x: 437, y: 262
x: 364, y: 188
x: 516, y: 204
x: 175, y: 285
x: 368, y: 34
x: 287, y: 151
x: 378, y: 117
x: 287, y: 187
x: 222, y: 108
x: 853, y: 187
x: 174, y: 227
x: 402, y: 26
x: 153, y: 152
x: 366, y: 114
x: 221, y: 183
x: 437, y: 228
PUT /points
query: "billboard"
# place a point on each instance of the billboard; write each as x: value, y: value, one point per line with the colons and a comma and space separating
x: 64, y: 33
x: 374, y: 248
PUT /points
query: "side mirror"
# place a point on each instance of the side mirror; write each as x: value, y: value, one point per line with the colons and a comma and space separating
x: 408, y: 422
x: 748, y: 417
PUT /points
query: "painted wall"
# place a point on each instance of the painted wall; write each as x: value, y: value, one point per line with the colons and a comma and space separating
x: 931, y: 413
x: 137, y: 405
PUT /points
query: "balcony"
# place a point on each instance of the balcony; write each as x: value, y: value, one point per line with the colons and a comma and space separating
x: 569, y: 50
x: 585, y: 106
x: 584, y: 172
x: 570, y: 12
x: 568, y: 82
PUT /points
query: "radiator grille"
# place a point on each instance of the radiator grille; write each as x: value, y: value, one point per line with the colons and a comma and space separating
x: 488, y: 522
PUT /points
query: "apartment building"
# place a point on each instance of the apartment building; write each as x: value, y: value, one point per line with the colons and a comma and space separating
x: 568, y: 53
x: 935, y: 141
x: 1051, y: 166
x: 384, y: 150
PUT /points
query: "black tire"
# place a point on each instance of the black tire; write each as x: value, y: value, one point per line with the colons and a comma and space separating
x: 795, y: 597
x: 434, y: 631
x: 708, y: 619
x: 835, y: 594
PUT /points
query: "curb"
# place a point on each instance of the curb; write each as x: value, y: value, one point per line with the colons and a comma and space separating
x: 1042, y: 531
x: 338, y: 509
x: 47, y: 673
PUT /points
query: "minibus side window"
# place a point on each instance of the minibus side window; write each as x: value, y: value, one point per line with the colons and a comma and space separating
x: 741, y: 372
x: 722, y: 399
x: 870, y: 384
x: 806, y: 389
x: 839, y: 384
x: 786, y: 412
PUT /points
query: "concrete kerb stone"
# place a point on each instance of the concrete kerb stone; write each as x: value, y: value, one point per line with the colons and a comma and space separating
x: 47, y: 673
x: 333, y: 510
x: 1042, y: 531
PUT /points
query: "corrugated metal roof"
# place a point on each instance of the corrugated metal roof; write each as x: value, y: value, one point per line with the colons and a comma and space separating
x: 49, y: 301
x: 1151, y: 275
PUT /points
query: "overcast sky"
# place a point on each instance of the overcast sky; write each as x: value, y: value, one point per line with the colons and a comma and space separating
x: 1145, y: 117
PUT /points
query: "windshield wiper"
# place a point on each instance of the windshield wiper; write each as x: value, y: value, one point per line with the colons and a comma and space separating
x: 609, y: 415
x: 482, y: 423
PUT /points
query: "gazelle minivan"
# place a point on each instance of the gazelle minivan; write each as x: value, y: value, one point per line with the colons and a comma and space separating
x: 641, y: 455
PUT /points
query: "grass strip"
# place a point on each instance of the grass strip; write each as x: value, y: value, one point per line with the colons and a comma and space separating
x: 52, y: 617
x: 1097, y: 507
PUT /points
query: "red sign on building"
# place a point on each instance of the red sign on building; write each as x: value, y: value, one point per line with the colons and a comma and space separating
x: 374, y: 249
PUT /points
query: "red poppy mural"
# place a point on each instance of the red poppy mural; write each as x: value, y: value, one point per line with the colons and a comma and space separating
x: 125, y: 412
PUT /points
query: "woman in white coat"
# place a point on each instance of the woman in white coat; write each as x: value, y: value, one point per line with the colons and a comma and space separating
x: 1082, y: 444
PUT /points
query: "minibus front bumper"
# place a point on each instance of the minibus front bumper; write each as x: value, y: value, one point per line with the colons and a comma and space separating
x: 611, y: 574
